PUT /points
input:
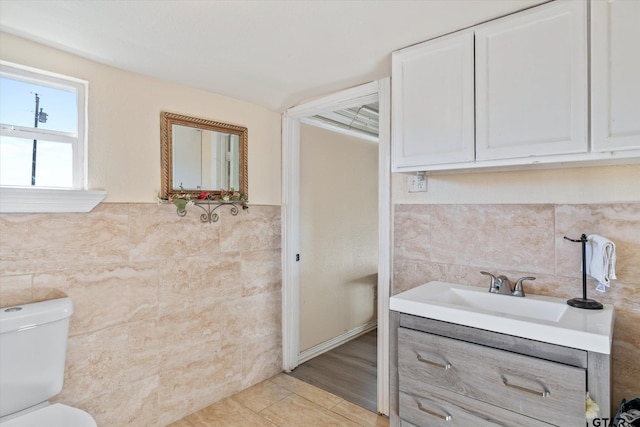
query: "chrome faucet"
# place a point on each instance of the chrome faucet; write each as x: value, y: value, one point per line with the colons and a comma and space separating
x: 505, y: 286
x: 493, y: 287
x: 518, y: 289
x: 502, y: 285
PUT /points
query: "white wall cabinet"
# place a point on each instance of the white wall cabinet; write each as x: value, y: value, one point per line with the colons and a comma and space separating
x: 531, y: 83
x: 530, y: 102
x: 432, y: 102
x: 615, y: 75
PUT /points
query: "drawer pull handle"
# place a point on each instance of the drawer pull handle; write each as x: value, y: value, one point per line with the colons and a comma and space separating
x: 544, y: 393
x: 445, y: 417
x: 439, y: 365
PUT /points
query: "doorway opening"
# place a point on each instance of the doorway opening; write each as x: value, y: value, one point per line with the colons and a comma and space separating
x: 336, y: 236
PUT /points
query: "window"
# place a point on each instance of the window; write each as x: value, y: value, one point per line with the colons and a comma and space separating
x: 42, y: 135
x: 43, y: 142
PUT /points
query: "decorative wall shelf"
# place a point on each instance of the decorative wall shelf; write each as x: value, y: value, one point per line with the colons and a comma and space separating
x: 209, y: 202
x: 209, y: 208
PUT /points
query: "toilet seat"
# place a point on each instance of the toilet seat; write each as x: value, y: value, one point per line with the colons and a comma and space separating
x: 56, y: 415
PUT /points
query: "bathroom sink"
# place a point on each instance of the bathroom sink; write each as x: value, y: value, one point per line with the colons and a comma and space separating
x: 537, y: 317
x: 480, y: 299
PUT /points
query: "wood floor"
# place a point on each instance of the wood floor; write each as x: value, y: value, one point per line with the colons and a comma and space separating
x: 348, y: 371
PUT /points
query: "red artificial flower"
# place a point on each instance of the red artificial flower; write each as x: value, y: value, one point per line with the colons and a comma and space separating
x: 203, y: 195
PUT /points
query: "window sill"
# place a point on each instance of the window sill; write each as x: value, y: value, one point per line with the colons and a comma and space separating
x: 48, y: 200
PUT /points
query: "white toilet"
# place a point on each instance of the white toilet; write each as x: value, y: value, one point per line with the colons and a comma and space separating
x: 33, y: 345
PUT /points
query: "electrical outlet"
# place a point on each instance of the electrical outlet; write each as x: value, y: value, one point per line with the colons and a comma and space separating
x: 418, y: 183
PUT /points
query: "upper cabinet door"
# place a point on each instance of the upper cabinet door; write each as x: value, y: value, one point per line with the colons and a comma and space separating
x: 615, y: 78
x: 432, y: 102
x: 531, y: 83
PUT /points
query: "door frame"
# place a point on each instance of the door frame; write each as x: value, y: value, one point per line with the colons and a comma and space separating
x: 291, y: 119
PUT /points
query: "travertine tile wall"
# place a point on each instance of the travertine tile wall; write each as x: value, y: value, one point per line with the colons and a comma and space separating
x: 170, y: 315
x: 455, y: 242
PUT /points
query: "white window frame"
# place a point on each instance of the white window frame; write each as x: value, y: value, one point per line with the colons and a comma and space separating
x: 40, y: 199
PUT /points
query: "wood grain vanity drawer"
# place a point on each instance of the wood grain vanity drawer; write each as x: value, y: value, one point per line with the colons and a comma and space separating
x: 438, y: 407
x: 540, y: 389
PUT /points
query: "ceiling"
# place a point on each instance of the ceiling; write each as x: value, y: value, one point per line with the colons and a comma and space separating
x: 275, y: 53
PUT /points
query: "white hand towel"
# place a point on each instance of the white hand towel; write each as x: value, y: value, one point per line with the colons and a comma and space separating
x: 601, y: 260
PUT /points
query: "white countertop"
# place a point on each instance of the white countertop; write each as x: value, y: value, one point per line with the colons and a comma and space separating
x: 590, y: 330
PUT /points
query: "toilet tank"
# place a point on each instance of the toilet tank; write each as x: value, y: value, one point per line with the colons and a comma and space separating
x: 33, y: 344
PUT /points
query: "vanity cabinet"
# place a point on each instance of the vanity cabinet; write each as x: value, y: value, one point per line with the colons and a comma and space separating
x: 454, y: 375
x: 615, y: 75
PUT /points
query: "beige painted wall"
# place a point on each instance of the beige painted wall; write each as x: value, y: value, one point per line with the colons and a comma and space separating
x: 604, y: 184
x: 170, y: 314
x: 338, y: 234
x: 124, y: 124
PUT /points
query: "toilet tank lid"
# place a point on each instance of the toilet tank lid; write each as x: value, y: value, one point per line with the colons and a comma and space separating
x: 28, y: 315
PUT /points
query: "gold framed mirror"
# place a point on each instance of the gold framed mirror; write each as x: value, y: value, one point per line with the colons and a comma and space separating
x: 200, y: 155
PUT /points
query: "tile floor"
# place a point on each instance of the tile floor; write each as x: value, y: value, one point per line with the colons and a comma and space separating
x: 283, y: 401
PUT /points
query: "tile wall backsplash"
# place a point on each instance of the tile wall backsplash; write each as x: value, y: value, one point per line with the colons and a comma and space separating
x: 454, y: 242
x: 170, y: 314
